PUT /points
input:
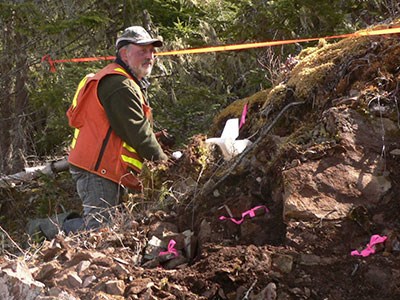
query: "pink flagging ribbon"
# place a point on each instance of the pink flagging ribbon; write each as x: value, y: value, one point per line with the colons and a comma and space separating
x: 370, y: 249
x: 170, y: 249
x: 243, y: 117
x: 250, y: 212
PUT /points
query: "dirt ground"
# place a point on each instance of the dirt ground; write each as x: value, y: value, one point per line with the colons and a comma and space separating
x: 321, y: 178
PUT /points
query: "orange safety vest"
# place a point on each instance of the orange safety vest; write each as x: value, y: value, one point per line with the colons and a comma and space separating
x: 95, y: 146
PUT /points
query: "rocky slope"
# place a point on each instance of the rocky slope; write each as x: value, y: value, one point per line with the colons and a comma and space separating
x: 319, y: 180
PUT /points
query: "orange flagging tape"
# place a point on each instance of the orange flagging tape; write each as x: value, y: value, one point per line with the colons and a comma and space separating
x: 276, y: 43
x: 231, y: 47
x: 85, y: 59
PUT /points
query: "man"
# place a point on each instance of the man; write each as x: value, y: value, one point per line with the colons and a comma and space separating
x: 113, y: 129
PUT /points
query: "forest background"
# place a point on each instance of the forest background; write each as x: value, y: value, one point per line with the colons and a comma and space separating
x: 187, y: 90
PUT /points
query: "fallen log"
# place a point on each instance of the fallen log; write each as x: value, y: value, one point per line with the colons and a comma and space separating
x: 30, y: 173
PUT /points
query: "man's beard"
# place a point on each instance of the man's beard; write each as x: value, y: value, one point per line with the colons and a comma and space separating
x: 141, y: 72
x: 144, y: 70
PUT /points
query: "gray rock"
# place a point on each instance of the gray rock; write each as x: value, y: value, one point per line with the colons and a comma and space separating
x: 16, y: 282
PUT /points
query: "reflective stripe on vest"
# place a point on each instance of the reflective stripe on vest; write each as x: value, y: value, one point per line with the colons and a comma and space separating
x: 76, y: 134
x: 74, y: 103
x: 80, y: 86
x: 135, y: 163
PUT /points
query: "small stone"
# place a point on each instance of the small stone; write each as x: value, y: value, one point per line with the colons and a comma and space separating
x: 103, y: 262
x: 204, y: 232
x: 138, y: 285
x: 88, y: 280
x: 54, y: 291
x: 47, y: 271
x: 120, y: 270
x: 58, y: 294
x: 83, y: 266
x: 115, y: 287
x: 152, y: 263
x: 73, y: 280
x: 270, y: 291
x: 175, y: 262
x: 310, y: 259
x: 282, y: 262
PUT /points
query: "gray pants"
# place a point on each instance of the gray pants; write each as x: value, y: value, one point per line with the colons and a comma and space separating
x: 98, y: 195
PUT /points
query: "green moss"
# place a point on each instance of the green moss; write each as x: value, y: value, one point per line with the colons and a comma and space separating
x: 234, y: 110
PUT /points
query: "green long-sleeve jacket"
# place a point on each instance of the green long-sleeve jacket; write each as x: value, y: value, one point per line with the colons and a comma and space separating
x: 125, y: 114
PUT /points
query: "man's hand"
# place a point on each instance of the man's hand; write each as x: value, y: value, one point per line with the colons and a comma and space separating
x: 165, y: 139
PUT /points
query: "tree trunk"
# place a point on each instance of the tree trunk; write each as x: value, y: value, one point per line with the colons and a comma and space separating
x: 14, y: 97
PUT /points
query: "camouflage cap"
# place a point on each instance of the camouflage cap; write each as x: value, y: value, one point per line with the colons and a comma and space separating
x: 137, y: 35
